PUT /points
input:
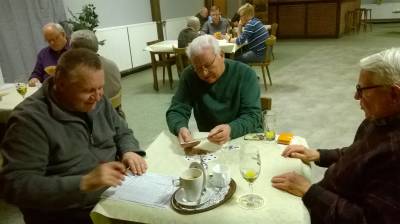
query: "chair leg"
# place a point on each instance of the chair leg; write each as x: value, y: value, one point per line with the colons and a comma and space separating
x: 269, y: 76
x: 265, y: 82
x: 272, y: 52
x: 170, y: 75
x: 163, y: 74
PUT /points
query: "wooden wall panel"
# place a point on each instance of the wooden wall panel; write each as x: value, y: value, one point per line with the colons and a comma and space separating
x: 261, y: 10
x: 292, y: 20
x: 321, y: 19
x: 272, y: 14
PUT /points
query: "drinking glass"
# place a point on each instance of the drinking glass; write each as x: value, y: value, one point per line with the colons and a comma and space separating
x: 250, y: 166
x: 21, y: 88
x: 269, y: 120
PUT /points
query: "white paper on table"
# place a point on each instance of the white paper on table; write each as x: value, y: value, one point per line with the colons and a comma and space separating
x: 6, y: 86
x: 205, y: 144
x: 150, y: 189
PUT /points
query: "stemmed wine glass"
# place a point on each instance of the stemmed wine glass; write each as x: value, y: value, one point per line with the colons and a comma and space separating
x: 21, y: 88
x: 250, y: 166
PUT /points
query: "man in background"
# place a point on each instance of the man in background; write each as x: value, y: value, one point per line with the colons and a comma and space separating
x: 217, y: 24
x: 253, y: 36
x: 224, y: 95
x: 47, y: 58
x: 202, y: 15
x: 65, y: 145
x: 190, y: 32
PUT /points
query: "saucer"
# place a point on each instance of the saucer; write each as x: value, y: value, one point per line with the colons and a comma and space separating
x: 180, y: 198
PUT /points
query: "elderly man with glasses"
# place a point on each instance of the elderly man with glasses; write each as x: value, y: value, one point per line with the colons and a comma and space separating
x: 47, y: 58
x: 362, y: 183
x: 224, y: 95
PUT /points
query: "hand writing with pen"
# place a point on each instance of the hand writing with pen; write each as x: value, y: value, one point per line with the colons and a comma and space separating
x: 113, y: 173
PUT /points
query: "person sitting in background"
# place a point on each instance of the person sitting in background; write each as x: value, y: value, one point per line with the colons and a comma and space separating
x: 217, y: 24
x: 190, y: 32
x: 112, y: 86
x: 62, y: 143
x: 55, y: 36
x: 362, y: 183
x: 202, y: 15
x: 254, y: 35
x: 224, y: 95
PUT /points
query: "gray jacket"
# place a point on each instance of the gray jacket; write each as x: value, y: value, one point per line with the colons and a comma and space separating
x: 47, y: 150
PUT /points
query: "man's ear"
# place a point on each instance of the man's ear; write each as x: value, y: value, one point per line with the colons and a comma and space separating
x: 222, y: 54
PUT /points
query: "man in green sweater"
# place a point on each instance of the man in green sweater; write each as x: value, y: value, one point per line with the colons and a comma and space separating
x: 224, y: 95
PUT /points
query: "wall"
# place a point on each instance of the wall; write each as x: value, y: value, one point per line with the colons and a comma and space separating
x: 179, y: 8
x: 116, y: 12
x: 383, y: 11
x: 374, y: 1
x: 1, y: 77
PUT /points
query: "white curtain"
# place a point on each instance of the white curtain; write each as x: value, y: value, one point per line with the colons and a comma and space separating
x: 21, y: 38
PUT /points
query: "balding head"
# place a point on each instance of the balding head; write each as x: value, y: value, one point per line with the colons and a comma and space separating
x: 54, y: 35
x: 193, y: 22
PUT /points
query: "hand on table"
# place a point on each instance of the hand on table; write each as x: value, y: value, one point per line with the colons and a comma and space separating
x: 292, y: 183
x: 134, y: 162
x: 220, y: 134
x: 33, y: 82
x: 104, y: 175
x: 301, y: 152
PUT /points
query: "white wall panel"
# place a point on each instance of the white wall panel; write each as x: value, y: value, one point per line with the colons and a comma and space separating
x: 384, y: 10
x: 116, y: 46
x: 172, y: 27
x: 139, y: 35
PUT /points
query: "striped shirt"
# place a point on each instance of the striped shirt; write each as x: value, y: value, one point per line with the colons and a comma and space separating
x: 254, y: 34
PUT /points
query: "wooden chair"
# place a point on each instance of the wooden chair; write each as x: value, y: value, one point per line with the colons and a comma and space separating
x: 163, y: 59
x: 269, y: 43
x: 181, y: 59
x: 364, y: 18
x: 352, y: 21
x: 116, y: 102
x: 274, y: 28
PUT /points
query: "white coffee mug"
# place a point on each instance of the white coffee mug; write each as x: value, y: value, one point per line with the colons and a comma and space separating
x: 221, y: 176
x: 191, y: 180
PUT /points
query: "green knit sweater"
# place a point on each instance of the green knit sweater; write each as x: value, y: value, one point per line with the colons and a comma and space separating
x: 233, y: 99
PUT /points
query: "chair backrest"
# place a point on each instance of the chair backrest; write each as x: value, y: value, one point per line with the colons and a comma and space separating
x: 116, y: 100
x: 266, y: 103
x: 153, y: 42
x: 274, y: 28
x: 181, y: 59
x: 269, y: 44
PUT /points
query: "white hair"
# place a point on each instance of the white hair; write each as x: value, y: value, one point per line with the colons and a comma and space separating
x: 385, y: 66
x: 84, y: 39
x: 55, y: 26
x: 193, y: 22
x: 201, y: 43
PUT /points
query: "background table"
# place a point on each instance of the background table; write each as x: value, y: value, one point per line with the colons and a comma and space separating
x: 167, y: 47
x: 164, y: 156
x: 11, y: 100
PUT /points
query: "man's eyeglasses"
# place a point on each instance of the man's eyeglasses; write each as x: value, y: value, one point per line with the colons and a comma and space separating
x: 205, y: 68
x: 359, y: 89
